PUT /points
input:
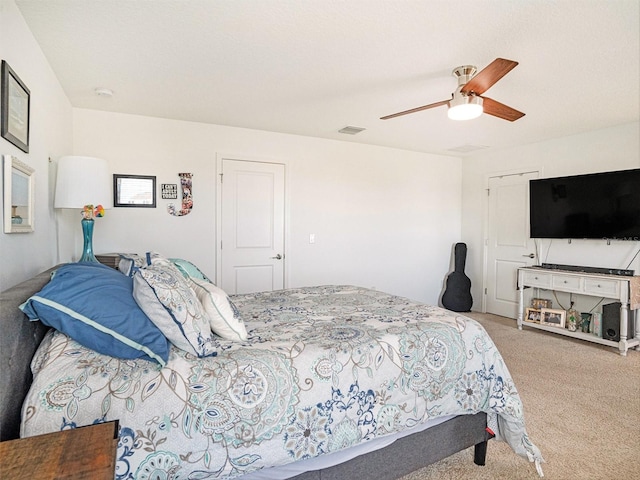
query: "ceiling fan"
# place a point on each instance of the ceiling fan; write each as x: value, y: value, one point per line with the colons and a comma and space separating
x: 467, y: 101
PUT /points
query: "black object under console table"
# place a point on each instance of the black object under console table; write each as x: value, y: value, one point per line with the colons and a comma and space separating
x: 623, y: 288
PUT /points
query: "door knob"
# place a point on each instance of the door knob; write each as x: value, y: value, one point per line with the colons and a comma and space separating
x: 531, y: 255
x: 278, y: 257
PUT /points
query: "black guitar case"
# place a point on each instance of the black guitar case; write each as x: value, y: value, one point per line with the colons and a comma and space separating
x: 457, y: 294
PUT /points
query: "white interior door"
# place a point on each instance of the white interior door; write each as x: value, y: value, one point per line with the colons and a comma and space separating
x: 251, y: 226
x: 508, y: 244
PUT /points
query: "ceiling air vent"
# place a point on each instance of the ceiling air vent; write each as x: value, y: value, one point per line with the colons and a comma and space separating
x: 468, y: 148
x: 351, y: 130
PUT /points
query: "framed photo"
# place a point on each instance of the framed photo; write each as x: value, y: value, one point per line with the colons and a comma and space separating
x: 134, y: 191
x: 552, y: 317
x: 15, y: 109
x: 169, y: 191
x: 532, y: 315
x: 18, y: 196
x: 539, y: 303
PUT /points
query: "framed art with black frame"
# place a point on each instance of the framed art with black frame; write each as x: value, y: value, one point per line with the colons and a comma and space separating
x: 16, y: 100
x: 134, y: 191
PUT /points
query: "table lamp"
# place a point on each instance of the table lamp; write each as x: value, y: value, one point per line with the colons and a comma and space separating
x: 83, y: 183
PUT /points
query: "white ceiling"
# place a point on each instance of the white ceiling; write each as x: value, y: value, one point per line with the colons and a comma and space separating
x: 311, y: 67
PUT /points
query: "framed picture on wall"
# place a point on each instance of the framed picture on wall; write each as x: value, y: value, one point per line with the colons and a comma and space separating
x: 15, y: 108
x: 18, y: 186
x: 134, y: 191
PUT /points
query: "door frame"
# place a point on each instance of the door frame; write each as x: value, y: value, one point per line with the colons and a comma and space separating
x: 218, y: 216
x: 485, y: 221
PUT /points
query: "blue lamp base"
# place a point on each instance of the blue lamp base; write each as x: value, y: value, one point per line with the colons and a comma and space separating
x: 87, y: 233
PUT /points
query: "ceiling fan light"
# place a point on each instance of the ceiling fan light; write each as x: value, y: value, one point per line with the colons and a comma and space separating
x: 465, y: 107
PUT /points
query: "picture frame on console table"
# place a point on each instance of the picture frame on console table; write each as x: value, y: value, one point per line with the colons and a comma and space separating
x: 539, y: 303
x: 532, y: 315
x: 553, y: 317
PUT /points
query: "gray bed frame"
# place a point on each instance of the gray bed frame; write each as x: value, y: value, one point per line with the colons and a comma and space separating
x: 19, y: 339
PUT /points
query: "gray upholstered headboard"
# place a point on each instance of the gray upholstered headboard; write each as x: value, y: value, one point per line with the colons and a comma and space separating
x: 19, y: 339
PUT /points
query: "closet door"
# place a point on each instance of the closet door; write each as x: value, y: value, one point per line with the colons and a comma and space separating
x: 508, y: 244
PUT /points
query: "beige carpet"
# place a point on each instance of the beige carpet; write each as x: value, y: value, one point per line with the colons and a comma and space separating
x: 581, y: 406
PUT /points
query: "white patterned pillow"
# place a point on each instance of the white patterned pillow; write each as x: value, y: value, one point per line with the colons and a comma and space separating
x: 167, y: 299
x: 130, y: 262
x: 223, y: 315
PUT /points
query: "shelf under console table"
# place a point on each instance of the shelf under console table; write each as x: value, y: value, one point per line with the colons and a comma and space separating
x: 625, y: 289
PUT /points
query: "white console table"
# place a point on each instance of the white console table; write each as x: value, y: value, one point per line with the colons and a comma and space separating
x: 616, y: 287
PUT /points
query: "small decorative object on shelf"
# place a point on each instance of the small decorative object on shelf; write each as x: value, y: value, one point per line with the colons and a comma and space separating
x: 586, y: 322
x: 15, y: 218
x: 572, y: 319
x: 596, y: 320
x: 539, y: 303
x: 532, y: 315
x: 554, y: 318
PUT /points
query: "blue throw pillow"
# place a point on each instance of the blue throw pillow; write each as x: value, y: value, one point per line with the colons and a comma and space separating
x: 94, y: 305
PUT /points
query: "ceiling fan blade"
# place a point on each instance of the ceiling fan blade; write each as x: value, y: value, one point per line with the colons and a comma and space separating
x: 488, y: 76
x: 414, y: 110
x: 500, y: 110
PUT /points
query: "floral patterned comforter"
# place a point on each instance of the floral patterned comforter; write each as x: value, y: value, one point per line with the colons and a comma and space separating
x: 324, y: 368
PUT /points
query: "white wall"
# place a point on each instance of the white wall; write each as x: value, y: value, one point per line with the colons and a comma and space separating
x: 25, y: 254
x: 615, y: 148
x: 382, y: 217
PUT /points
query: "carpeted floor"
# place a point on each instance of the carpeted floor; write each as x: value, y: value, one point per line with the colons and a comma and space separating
x: 581, y: 405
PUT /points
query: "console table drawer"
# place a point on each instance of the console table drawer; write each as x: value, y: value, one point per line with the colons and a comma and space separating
x: 537, y: 279
x: 602, y: 287
x: 567, y: 282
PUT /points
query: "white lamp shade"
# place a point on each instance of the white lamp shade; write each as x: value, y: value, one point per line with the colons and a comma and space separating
x: 467, y: 111
x: 464, y: 107
x: 82, y: 181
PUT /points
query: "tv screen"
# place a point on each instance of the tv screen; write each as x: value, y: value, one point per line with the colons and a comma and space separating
x: 601, y: 205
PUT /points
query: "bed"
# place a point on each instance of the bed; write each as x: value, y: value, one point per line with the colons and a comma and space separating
x: 328, y: 382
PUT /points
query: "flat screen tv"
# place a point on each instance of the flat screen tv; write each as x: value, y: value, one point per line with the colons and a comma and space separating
x: 598, y: 206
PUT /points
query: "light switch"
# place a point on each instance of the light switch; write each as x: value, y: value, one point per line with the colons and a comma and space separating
x: 312, y: 238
